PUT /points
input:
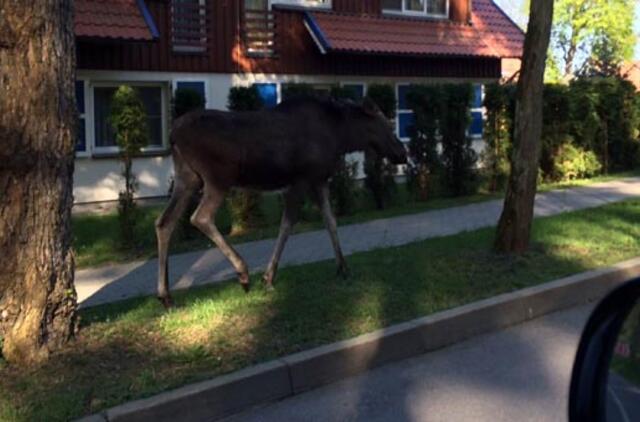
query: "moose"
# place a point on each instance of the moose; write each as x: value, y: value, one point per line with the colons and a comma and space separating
x: 294, y: 147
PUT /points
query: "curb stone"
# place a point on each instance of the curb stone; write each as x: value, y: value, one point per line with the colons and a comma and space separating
x: 293, y: 374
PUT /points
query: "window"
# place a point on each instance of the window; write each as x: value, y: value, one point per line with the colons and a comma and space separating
x: 104, y: 136
x: 197, y: 86
x: 477, y: 113
x: 405, y: 120
x: 188, y: 24
x: 81, y: 129
x: 268, y: 93
x: 431, y: 8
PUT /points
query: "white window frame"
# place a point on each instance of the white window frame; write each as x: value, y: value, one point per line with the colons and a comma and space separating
x: 414, y: 13
x: 84, y: 115
x: 98, y: 150
x: 175, y: 82
x: 303, y: 3
x: 401, y: 110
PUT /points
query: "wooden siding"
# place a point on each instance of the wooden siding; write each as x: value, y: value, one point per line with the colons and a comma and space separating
x: 296, y: 51
x: 371, y: 7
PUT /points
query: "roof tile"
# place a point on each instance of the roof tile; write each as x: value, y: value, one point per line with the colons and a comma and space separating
x: 492, y: 34
x: 112, y: 19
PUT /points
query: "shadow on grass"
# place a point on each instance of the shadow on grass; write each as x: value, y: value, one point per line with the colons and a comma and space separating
x: 134, y: 349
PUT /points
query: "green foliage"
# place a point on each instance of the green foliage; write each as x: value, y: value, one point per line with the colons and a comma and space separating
x: 571, y: 163
x: 385, y: 97
x: 458, y: 158
x: 588, y: 32
x: 343, y: 187
x: 243, y: 98
x: 498, y: 129
x: 244, y: 205
x: 426, y: 103
x: 129, y: 121
x: 556, y: 124
x: 339, y: 92
x: 186, y: 100
x: 379, y: 173
x: 298, y: 89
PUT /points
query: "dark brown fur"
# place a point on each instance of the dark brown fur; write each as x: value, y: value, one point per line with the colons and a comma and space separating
x: 294, y: 147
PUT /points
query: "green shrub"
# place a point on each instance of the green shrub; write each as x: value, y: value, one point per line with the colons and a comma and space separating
x: 458, y: 158
x: 186, y: 100
x: 244, y: 204
x: 498, y: 129
x: 556, y: 124
x: 426, y: 103
x: 298, y: 89
x: 243, y: 98
x: 343, y: 187
x: 129, y: 121
x: 572, y: 162
x: 379, y: 173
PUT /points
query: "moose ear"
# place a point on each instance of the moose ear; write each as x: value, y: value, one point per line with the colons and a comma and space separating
x: 370, y: 107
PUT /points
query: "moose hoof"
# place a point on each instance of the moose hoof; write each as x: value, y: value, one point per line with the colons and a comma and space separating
x: 244, y: 282
x: 343, y: 271
x: 166, y: 301
x: 269, y: 287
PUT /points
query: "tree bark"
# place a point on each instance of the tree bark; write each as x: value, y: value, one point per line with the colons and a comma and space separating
x: 37, y: 138
x: 514, y: 228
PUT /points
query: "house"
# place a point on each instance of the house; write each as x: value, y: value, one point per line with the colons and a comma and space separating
x: 631, y: 72
x: 212, y: 45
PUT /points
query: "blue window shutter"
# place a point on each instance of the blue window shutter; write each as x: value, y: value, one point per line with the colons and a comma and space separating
x: 357, y: 89
x: 81, y: 140
x: 268, y: 93
x: 80, y: 96
x: 477, y: 96
x: 406, y: 124
x: 193, y: 86
x: 477, y: 124
x: 403, y: 90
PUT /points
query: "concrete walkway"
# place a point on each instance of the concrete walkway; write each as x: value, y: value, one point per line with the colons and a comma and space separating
x: 108, y: 284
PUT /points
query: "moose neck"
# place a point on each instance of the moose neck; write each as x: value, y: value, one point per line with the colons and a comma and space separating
x: 353, y: 136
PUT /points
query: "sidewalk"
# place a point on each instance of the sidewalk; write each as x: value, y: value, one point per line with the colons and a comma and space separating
x: 108, y: 284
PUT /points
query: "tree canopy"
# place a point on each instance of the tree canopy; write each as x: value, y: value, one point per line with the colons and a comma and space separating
x: 592, y: 36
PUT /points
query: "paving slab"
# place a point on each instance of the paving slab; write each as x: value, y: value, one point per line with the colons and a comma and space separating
x: 117, y: 282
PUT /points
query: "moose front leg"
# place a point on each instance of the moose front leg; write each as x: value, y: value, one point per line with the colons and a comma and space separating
x: 292, y: 201
x: 203, y: 219
x: 321, y: 196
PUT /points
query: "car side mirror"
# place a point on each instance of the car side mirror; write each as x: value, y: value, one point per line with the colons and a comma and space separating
x: 605, y: 383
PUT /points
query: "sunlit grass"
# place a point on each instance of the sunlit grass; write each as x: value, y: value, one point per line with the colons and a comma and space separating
x: 133, y: 349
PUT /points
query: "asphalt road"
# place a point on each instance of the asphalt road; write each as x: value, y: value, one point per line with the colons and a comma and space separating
x: 623, y: 400
x: 518, y: 374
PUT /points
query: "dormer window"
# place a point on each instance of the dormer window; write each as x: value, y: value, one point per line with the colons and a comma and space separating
x: 428, y: 8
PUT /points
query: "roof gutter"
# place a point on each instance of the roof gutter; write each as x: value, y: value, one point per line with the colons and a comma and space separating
x: 316, y: 33
x: 148, y: 19
x: 470, y: 12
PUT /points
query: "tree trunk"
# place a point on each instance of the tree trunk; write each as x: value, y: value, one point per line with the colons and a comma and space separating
x: 514, y: 228
x: 37, y: 137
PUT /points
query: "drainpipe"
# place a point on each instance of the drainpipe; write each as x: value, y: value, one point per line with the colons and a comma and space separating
x: 469, y: 13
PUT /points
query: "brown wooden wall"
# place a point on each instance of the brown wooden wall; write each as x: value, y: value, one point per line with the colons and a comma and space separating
x: 369, y: 7
x: 296, y: 51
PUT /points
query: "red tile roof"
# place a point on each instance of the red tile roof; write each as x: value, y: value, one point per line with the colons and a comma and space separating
x: 111, y: 19
x: 492, y: 34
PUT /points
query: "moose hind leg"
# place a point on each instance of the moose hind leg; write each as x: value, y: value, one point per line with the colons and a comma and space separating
x: 165, y: 225
x: 321, y: 196
x: 292, y: 200
x: 203, y: 218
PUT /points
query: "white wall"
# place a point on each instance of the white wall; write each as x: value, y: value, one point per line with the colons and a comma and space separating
x: 99, y: 179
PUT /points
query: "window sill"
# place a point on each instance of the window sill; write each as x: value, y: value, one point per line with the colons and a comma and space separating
x: 415, y: 17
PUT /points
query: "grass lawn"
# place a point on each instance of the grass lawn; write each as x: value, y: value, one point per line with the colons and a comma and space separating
x: 96, y: 236
x: 134, y: 349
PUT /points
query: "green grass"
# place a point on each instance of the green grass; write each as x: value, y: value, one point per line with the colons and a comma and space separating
x: 134, y: 349
x: 96, y: 236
